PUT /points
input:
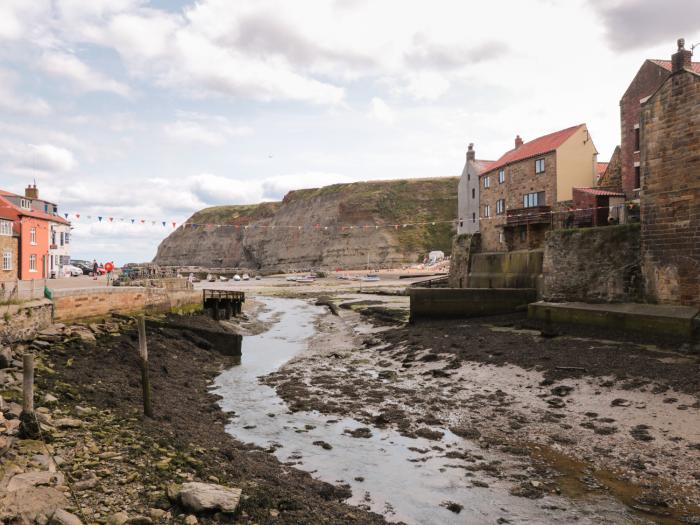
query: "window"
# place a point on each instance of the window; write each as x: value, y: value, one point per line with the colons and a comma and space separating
x: 501, y: 176
x: 63, y: 238
x: 487, y: 211
x: 637, y: 177
x: 473, y: 193
x: 530, y: 200
x: 500, y: 206
x: 523, y: 233
x: 473, y: 216
x: 32, y: 236
x: 461, y: 223
x: 53, y: 236
x: 7, y: 261
x: 25, y: 203
x: 32, y: 263
x: 67, y: 238
x: 6, y: 228
x: 487, y: 182
x: 539, y: 166
x: 501, y: 237
x: 636, y: 138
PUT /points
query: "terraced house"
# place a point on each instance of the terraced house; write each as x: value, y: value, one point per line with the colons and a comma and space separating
x: 8, y: 248
x: 529, y: 189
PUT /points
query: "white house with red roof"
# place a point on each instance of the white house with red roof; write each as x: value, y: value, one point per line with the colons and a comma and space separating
x: 523, y: 193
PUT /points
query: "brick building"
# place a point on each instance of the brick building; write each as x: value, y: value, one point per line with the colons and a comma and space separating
x: 670, y: 181
x: 8, y: 248
x: 521, y: 190
x: 468, y: 193
x: 651, y: 75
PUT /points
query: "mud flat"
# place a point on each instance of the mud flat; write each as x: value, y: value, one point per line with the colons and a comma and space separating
x: 588, y: 428
x: 108, y: 464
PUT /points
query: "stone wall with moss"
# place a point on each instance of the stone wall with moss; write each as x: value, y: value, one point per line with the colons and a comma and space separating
x: 595, y: 265
x: 463, y: 246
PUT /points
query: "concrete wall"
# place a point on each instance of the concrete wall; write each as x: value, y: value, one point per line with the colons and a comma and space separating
x: 21, y: 322
x: 97, y: 302
x: 593, y: 264
x: 576, y: 164
x: 670, y: 199
x: 467, y: 302
x: 517, y: 269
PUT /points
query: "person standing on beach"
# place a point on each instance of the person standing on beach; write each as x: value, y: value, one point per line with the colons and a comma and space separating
x: 94, y: 269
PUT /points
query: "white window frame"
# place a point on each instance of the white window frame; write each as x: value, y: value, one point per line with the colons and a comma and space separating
x: 6, y: 228
x: 487, y: 182
x: 25, y: 204
x: 501, y: 176
x: 487, y: 210
x: 32, y: 236
x: 539, y: 163
x: 32, y: 263
x: 7, y: 261
x: 500, y: 206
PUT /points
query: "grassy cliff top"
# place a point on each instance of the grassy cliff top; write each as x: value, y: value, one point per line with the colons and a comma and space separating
x: 232, y: 214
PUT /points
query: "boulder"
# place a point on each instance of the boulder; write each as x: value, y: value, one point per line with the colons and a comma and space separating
x: 118, y: 518
x: 68, y: 422
x: 30, y: 504
x: 35, y: 478
x: 209, y: 497
x: 63, y: 517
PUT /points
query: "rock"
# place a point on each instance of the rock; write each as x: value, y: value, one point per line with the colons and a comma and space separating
x: 50, y: 399
x: 68, y: 422
x: 619, y: 402
x: 63, y: 517
x: 30, y: 504
x: 465, y: 431
x: 323, y: 445
x: 156, y: 514
x: 83, y: 411
x: 84, y: 334
x: 139, y: 520
x: 191, y: 520
x: 34, y: 478
x: 119, y: 518
x: 173, y: 492
x: 85, y: 484
x: 562, y: 390
x: 5, y: 357
x: 204, y: 497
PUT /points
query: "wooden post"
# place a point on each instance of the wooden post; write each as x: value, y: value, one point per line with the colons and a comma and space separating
x: 143, y: 354
x: 29, y: 425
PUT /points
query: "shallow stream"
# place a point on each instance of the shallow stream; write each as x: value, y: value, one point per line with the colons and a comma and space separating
x: 385, y: 475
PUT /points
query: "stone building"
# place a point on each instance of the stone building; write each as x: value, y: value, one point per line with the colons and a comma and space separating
x: 521, y: 191
x: 468, y: 193
x: 651, y: 75
x: 8, y: 249
x: 670, y: 185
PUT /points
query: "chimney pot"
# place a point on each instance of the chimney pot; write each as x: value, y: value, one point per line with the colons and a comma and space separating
x: 471, y: 154
x: 518, y: 141
x: 31, y: 192
x: 681, y: 59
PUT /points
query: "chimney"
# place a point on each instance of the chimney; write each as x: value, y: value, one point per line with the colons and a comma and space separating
x: 471, y: 154
x: 31, y: 192
x: 518, y: 141
x: 682, y: 58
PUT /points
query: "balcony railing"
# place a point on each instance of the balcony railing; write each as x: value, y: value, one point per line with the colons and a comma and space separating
x: 534, y: 215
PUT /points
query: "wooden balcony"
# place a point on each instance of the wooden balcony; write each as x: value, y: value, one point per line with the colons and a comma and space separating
x: 534, y: 215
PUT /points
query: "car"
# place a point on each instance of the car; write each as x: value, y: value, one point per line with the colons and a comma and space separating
x: 68, y: 270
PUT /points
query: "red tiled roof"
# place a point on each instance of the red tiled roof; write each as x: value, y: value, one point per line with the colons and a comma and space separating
x: 601, y: 167
x: 666, y: 64
x: 603, y: 193
x: 28, y: 213
x: 535, y: 147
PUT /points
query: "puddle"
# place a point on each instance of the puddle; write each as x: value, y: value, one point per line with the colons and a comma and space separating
x: 385, y: 475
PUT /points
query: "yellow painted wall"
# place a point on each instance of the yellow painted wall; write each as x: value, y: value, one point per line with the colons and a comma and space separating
x: 576, y: 164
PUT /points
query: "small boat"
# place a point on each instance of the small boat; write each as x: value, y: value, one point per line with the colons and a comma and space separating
x: 306, y: 279
x: 258, y: 277
x: 371, y: 277
x: 245, y: 277
x: 292, y: 278
x: 236, y: 277
x: 223, y: 279
x: 211, y: 278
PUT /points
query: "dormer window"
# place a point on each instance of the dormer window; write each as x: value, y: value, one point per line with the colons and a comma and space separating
x: 25, y: 204
x: 539, y: 166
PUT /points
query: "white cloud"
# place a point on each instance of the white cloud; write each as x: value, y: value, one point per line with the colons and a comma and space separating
x: 49, y: 158
x: 14, y: 102
x: 211, y: 130
x: 72, y: 68
x: 381, y: 111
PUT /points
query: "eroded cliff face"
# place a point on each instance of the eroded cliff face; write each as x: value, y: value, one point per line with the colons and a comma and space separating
x: 305, y: 230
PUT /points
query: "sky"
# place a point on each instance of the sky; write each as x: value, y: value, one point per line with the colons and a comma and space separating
x: 155, y: 109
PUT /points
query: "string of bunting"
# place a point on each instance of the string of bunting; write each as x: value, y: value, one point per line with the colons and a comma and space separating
x: 524, y: 213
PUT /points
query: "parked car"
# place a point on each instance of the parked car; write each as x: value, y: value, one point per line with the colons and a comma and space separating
x: 69, y: 270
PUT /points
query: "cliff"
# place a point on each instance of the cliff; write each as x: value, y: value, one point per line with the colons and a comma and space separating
x: 305, y: 230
